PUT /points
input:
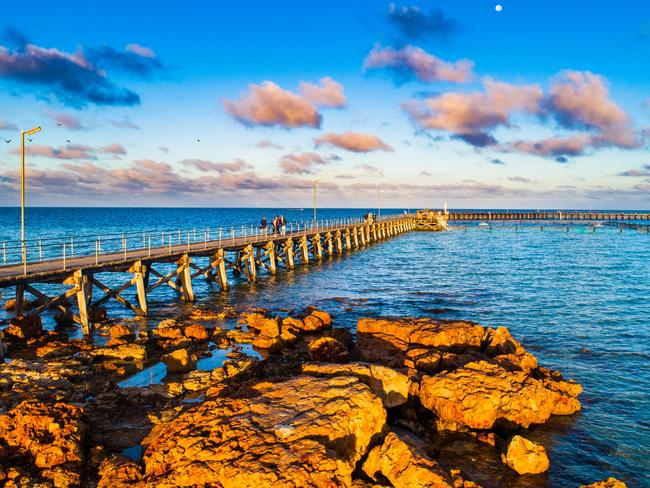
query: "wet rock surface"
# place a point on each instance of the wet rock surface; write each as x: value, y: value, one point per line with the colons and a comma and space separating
x: 408, y: 402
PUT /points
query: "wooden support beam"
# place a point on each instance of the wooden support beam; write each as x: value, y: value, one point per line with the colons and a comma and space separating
x: 247, y: 258
x: 304, y: 249
x: 288, y: 253
x: 219, y: 264
x: 329, y: 247
x: 164, y: 279
x: 82, y: 284
x: 270, y: 252
x: 184, y: 276
x: 348, y: 241
x: 48, y: 303
x: 338, y: 242
x: 141, y: 275
x: 316, y: 246
x: 20, y: 300
x: 355, y: 237
x: 362, y: 234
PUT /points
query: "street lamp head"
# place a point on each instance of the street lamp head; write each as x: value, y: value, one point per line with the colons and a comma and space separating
x: 33, y: 131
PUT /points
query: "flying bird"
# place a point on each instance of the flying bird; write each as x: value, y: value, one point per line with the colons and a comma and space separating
x: 30, y: 139
x: 7, y: 140
x: 67, y: 141
x: 198, y: 140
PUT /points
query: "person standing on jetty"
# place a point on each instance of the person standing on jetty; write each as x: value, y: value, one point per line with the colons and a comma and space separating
x: 264, y: 226
x: 276, y: 225
x: 283, y: 226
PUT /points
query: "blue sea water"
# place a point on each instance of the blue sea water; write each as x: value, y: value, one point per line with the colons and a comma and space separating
x: 579, y: 300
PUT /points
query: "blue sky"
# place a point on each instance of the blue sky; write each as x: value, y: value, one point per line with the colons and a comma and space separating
x: 543, y: 104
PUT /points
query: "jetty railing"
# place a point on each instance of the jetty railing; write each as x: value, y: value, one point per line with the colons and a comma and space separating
x: 65, y: 248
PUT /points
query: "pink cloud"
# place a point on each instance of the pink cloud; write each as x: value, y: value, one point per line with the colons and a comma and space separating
x: 67, y: 121
x: 269, y: 105
x: 353, y: 141
x: 413, y: 62
x: 71, y: 151
x: 328, y: 94
x: 554, y: 146
x: 265, y: 143
x: 4, y: 125
x: 141, y: 50
x: 117, y: 149
x: 206, y: 166
x: 301, y: 163
x: 470, y: 114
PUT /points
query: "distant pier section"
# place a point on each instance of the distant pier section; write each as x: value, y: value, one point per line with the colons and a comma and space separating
x: 542, y: 215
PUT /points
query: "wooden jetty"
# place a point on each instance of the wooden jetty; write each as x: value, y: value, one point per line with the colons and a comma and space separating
x: 244, y: 254
x: 571, y: 215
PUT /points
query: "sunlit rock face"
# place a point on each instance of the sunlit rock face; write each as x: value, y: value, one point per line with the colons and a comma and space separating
x: 305, y: 431
x: 469, y: 376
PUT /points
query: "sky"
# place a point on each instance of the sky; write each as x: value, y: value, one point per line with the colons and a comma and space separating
x: 477, y: 104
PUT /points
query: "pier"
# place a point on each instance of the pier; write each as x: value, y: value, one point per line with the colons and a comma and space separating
x: 546, y: 215
x: 246, y: 253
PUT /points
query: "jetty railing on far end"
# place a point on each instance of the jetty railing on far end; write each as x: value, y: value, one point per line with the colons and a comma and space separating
x: 149, y: 243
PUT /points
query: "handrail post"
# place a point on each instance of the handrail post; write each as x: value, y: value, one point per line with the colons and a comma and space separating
x: 96, y: 251
x: 4, y: 252
x: 64, y: 256
x: 40, y: 249
x: 149, y: 252
x: 188, y: 241
x: 24, y: 252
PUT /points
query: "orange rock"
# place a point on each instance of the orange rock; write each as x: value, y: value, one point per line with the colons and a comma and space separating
x: 327, y: 349
x: 524, y: 456
x: 263, y: 341
x: 402, y: 460
x: 479, y: 393
x: 196, y: 331
x: 119, y: 331
x: 51, y: 434
x: 307, y: 432
x: 118, y: 471
x: 324, y: 316
x: 10, y: 305
x: 606, y: 483
x: 312, y: 323
x: 391, y: 386
x: 179, y: 361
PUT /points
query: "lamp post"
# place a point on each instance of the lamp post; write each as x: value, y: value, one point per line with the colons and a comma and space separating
x: 24, y: 133
x: 315, y: 184
x: 379, y: 192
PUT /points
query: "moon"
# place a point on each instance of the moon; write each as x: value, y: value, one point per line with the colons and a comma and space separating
x: 498, y: 8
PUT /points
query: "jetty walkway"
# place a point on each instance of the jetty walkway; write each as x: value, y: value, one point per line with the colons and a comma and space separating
x: 245, y: 252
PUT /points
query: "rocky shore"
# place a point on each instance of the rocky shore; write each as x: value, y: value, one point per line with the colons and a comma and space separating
x: 406, y: 402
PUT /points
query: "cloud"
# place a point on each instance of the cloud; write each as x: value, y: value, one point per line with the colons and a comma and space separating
x: 163, y: 149
x: 135, y: 59
x: 413, y: 23
x: 205, y: 166
x: 73, y: 151
x: 411, y: 62
x: 370, y: 169
x: 116, y: 149
x: 301, y: 163
x: 4, y: 125
x: 425, y: 173
x: 471, y: 115
x: 353, y: 141
x: 70, y: 151
x: 554, y: 146
x: 124, y: 123
x: 265, y: 143
x: 520, y: 179
x: 328, y: 94
x: 67, y: 121
x: 70, y: 77
x: 269, y: 105
x: 497, y: 161
x: 643, y: 172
